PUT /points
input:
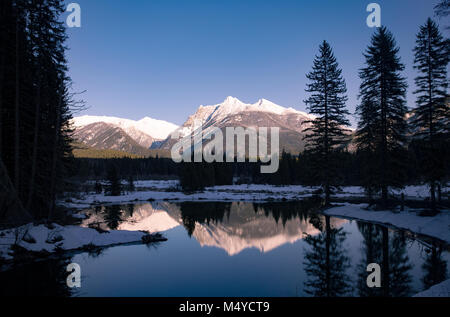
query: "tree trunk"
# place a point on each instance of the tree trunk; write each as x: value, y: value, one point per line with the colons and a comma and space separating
x: 2, y: 63
x: 55, y: 154
x: 430, y: 114
x: 16, y: 114
x: 12, y: 212
x: 327, y: 246
x: 2, y: 72
x: 439, y: 193
x: 384, y: 187
x: 386, y: 279
x: 35, y: 145
x: 433, y: 195
x: 327, y: 145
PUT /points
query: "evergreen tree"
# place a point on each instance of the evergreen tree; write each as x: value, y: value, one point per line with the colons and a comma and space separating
x: 382, y: 126
x: 98, y: 187
x: 131, y: 186
x: 432, y: 115
x: 34, y: 101
x: 114, y: 183
x: 327, y: 103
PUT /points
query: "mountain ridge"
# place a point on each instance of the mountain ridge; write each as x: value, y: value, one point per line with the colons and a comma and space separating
x: 232, y: 113
x: 154, y: 134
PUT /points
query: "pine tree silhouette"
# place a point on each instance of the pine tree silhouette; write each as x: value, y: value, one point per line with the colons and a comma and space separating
x: 327, y: 102
x: 431, y: 117
x: 382, y: 125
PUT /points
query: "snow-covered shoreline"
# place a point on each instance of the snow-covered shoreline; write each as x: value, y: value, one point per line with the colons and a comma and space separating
x: 153, y: 190
x: 42, y: 238
x: 439, y: 290
x: 437, y: 226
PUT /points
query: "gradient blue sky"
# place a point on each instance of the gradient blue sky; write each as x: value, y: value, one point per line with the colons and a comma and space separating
x: 163, y: 58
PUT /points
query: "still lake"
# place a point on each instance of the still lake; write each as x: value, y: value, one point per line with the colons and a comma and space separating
x: 239, y: 249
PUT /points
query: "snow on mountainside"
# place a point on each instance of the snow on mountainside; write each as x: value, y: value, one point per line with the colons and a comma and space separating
x: 232, y: 106
x: 232, y: 112
x: 138, y: 130
x: 107, y: 136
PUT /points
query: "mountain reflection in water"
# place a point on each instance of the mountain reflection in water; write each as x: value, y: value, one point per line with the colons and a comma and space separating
x: 239, y: 249
x: 233, y: 226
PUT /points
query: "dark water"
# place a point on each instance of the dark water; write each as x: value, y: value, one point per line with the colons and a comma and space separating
x: 240, y: 249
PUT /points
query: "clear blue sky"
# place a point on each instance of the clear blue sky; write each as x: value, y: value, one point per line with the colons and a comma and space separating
x: 163, y: 58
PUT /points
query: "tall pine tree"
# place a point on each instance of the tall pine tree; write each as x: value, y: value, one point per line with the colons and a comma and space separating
x: 432, y: 114
x: 382, y: 109
x: 34, y: 101
x: 327, y: 102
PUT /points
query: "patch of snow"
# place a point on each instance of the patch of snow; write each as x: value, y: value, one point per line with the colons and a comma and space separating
x: 439, y: 290
x: 66, y: 237
x: 157, y: 190
x: 437, y: 226
x: 157, y: 129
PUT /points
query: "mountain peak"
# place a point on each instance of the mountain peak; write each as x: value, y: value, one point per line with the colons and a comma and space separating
x: 230, y: 99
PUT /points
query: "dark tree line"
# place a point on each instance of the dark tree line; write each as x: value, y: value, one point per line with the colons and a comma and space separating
x: 139, y: 168
x: 34, y: 103
x: 293, y: 170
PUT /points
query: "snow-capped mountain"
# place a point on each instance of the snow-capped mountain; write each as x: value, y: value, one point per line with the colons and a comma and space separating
x: 107, y: 136
x: 232, y: 112
x: 144, y: 131
x: 111, y: 133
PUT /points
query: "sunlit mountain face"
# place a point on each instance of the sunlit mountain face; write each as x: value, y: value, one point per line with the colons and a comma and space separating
x: 233, y: 226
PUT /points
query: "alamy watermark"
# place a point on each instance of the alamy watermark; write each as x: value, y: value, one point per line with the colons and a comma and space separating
x: 374, y: 278
x: 74, y: 18
x: 374, y: 18
x: 74, y: 278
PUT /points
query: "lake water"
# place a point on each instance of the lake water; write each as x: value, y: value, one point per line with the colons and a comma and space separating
x: 239, y: 249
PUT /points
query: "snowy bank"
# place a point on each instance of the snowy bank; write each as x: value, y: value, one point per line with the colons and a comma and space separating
x: 437, y: 226
x: 42, y: 238
x: 439, y: 290
x: 207, y: 195
x: 164, y: 190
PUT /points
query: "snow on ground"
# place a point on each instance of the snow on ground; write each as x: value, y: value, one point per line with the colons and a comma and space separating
x: 153, y: 184
x: 160, y: 184
x: 41, y: 238
x: 263, y: 188
x: 437, y: 226
x: 439, y: 290
x: 163, y: 190
x: 207, y: 195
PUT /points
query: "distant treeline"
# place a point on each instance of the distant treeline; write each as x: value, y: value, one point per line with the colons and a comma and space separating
x: 294, y: 169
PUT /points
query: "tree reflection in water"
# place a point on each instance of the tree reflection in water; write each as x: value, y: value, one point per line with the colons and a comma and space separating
x: 326, y: 262
x: 434, y: 267
x: 40, y: 278
x: 388, y: 249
